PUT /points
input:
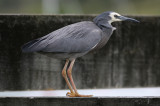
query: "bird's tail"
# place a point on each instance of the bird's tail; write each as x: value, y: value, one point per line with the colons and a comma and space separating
x: 34, y: 45
x: 28, y: 47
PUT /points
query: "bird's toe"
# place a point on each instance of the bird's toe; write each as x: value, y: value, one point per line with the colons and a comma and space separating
x: 73, y: 94
x: 79, y: 95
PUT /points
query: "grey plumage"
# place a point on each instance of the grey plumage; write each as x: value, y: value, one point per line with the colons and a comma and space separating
x: 77, y: 39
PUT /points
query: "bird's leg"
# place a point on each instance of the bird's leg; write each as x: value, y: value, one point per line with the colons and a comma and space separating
x: 69, y: 72
x: 65, y: 76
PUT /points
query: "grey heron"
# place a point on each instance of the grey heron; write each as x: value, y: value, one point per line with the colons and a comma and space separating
x: 76, y: 40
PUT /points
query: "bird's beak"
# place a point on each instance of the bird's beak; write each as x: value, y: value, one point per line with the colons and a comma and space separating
x: 123, y: 18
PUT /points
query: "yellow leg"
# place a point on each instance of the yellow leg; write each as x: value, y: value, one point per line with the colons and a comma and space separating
x: 75, y: 93
x: 65, y: 76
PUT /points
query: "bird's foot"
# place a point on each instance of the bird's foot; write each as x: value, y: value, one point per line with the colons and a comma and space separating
x: 73, y: 94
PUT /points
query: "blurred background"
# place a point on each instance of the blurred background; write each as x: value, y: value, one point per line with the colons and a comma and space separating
x: 131, y: 7
x: 131, y: 58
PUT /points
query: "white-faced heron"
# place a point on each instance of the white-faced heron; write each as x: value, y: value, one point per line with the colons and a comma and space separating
x: 76, y: 40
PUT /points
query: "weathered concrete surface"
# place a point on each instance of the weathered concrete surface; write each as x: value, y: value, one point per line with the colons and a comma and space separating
x: 97, y: 101
x: 116, y: 92
x: 130, y: 59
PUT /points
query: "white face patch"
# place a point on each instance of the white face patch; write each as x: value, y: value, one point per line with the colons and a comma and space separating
x: 113, y: 18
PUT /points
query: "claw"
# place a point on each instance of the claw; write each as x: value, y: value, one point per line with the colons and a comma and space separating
x: 69, y: 94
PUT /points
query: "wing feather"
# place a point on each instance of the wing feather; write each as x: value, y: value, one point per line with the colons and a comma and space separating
x: 78, y: 37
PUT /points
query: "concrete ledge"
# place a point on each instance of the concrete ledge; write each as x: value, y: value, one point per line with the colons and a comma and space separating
x: 95, y: 101
x: 123, y: 92
x: 102, y: 97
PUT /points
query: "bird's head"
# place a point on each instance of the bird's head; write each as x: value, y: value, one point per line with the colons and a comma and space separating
x: 106, y: 18
x: 117, y: 17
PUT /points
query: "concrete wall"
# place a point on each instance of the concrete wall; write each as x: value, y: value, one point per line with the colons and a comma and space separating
x: 130, y: 59
x: 94, y: 101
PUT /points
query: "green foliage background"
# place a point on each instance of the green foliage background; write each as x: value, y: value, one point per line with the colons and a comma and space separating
x: 132, y: 7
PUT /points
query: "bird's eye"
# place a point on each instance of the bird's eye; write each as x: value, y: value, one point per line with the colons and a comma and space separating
x: 116, y: 16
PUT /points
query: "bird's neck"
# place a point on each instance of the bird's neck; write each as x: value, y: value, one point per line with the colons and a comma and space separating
x: 103, y: 24
x: 106, y: 26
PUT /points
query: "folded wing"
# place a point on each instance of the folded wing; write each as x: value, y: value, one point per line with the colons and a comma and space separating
x: 78, y: 37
